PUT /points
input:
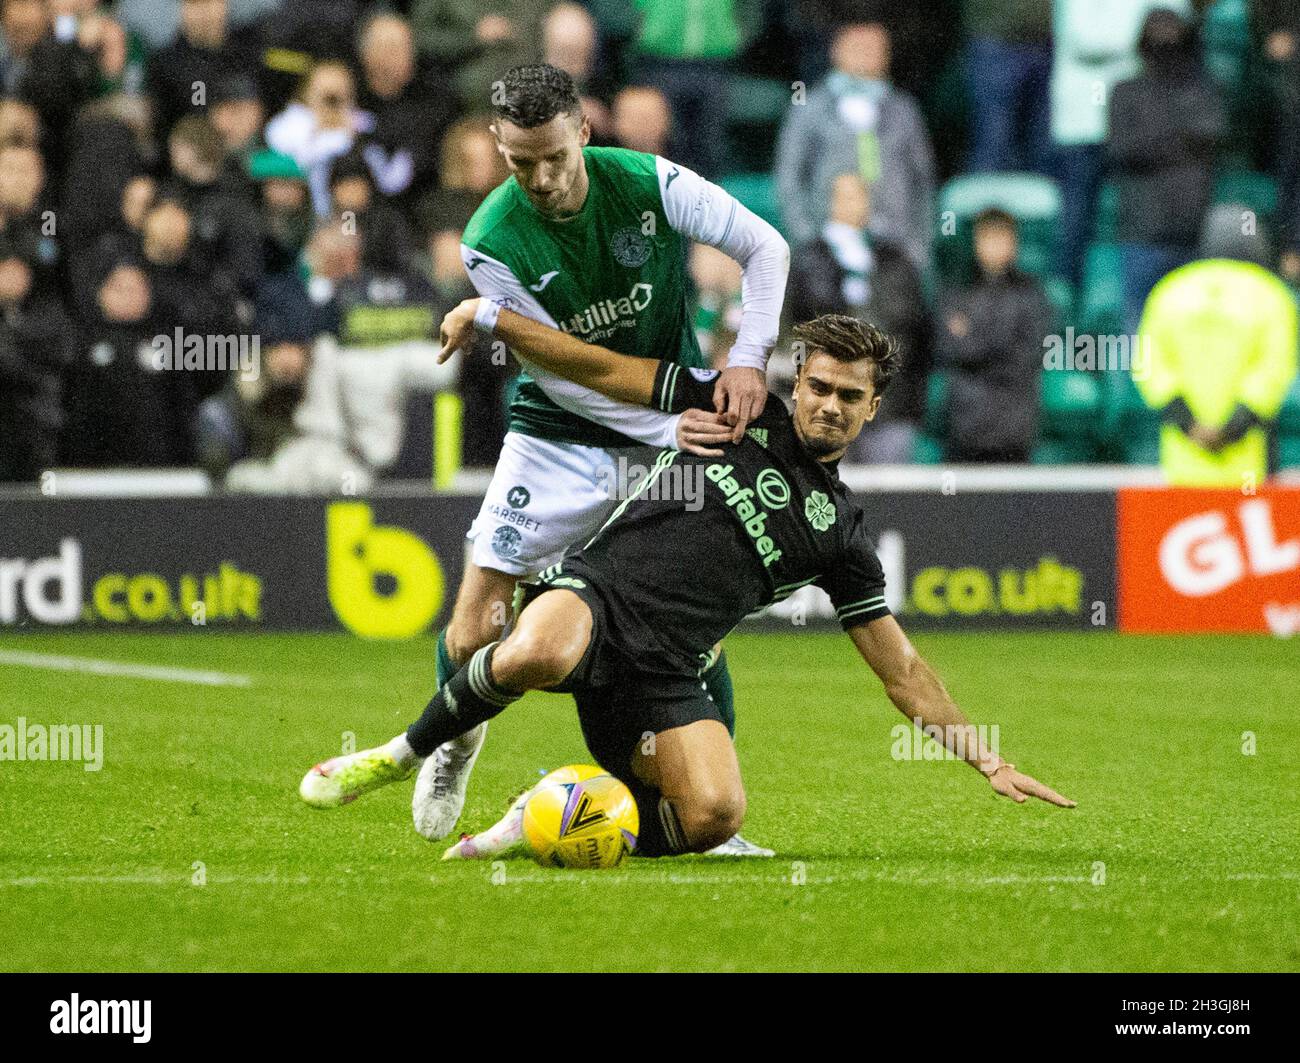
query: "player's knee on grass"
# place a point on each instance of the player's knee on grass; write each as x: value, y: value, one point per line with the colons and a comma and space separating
x: 710, y: 817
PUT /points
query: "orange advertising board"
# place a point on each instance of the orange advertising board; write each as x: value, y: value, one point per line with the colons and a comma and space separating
x: 1209, y: 560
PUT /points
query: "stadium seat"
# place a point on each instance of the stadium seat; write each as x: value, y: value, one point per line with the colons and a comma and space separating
x: 1257, y: 191
x: 936, y: 404
x: 1029, y: 196
x: 1070, y: 404
x: 756, y: 101
x: 755, y: 107
x: 1225, y: 38
x: 1100, y: 309
x: 1061, y: 294
x: 618, y: 19
x: 1288, y: 428
x: 1130, y: 430
x: 947, y: 104
x: 928, y: 450
x: 758, y: 192
x: 1288, y: 418
x: 1107, y: 215
x: 1061, y: 452
x: 1288, y: 452
x: 1034, y: 201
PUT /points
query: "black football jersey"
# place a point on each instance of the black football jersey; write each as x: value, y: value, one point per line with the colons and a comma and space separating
x: 700, y: 543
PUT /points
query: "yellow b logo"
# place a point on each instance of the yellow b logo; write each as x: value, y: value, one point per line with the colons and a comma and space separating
x: 356, y: 552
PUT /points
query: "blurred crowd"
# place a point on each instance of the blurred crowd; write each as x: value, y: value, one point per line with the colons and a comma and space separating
x: 297, y: 174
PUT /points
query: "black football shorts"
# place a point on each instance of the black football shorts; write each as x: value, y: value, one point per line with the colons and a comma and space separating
x: 620, y: 703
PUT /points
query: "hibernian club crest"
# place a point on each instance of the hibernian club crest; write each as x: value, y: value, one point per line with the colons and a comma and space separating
x: 631, y: 247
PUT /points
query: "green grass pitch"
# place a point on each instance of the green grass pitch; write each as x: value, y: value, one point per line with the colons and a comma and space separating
x: 1184, y: 852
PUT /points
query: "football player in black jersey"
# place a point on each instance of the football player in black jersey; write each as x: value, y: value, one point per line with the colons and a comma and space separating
x: 628, y: 622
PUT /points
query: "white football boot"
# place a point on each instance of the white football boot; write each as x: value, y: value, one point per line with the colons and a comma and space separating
x: 738, y: 846
x: 503, y: 838
x: 440, y: 787
x: 342, y: 780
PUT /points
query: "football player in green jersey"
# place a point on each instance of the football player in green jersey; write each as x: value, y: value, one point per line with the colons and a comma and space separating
x: 592, y: 241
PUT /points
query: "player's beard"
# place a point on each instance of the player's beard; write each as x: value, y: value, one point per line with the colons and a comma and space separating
x: 556, y: 207
x: 547, y: 203
x: 820, y: 447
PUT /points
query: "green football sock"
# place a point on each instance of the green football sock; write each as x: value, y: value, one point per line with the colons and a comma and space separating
x: 718, y: 681
x: 446, y: 667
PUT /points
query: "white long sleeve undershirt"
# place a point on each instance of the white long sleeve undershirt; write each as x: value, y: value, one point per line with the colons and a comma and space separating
x: 701, y: 211
x: 710, y: 215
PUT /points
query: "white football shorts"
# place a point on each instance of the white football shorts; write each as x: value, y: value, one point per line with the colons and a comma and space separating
x: 547, y: 497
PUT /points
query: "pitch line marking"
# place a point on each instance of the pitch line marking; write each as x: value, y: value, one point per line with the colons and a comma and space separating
x: 540, y: 878
x: 153, y: 879
x: 95, y: 666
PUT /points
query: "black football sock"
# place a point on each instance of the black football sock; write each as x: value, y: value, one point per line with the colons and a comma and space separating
x: 661, y: 832
x: 462, y: 703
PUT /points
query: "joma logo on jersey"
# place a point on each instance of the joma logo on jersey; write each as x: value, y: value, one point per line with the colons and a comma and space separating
x: 618, y: 313
x: 739, y: 498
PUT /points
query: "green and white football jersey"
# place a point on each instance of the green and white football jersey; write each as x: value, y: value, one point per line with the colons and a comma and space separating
x: 613, y: 274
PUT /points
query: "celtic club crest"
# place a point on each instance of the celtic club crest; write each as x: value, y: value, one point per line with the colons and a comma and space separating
x: 819, y: 511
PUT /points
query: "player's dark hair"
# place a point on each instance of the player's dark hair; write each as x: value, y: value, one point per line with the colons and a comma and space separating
x: 848, y: 339
x: 532, y: 95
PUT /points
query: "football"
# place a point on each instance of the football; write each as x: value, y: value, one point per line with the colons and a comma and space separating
x: 571, y: 773
x: 581, y: 817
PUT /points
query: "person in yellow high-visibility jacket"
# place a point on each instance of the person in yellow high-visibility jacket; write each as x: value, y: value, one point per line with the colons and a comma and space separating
x: 1218, y: 345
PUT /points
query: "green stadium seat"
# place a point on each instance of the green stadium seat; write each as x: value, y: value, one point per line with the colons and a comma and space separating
x: 947, y: 104
x: 1144, y: 450
x: 1033, y: 200
x: 1130, y: 430
x: 1288, y: 428
x: 1030, y: 197
x: 1257, y: 191
x: 928, y: 450
x: 1070, y: 403
x: 755, y: 107
x: 936, y: 404
x: 758, y: 192
x: 618, y: 19
x: 1100, y: 310
x: 1116, y: 402
x: 1061, y: 294
x: 1062, y: 452
x: 1107, y: 215
x: 756, y: 101
x: 1225, y: 37
x: 1288, y: 418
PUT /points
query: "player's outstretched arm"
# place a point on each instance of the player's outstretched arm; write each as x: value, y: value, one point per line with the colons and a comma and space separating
x: 919, y: 694
x: 620, y: 376
x: 617, y: 376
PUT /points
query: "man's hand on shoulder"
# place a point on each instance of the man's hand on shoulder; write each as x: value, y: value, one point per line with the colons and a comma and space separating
x: 700, y: 432
x: 741, y: 392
